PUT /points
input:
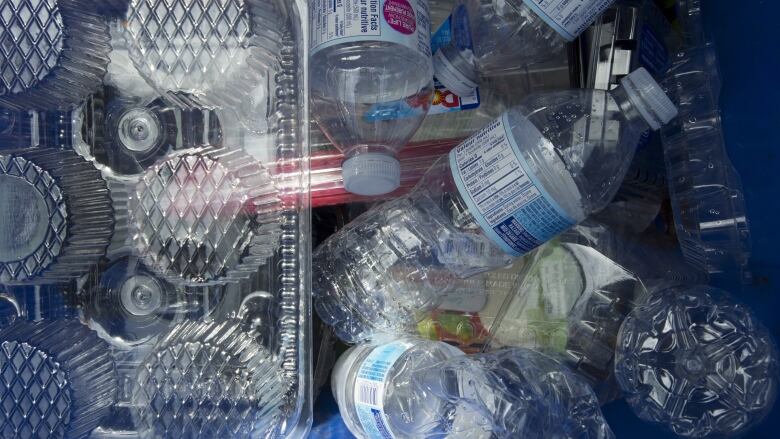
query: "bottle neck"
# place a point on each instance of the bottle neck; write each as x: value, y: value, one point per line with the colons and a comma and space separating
x: 629, y: 110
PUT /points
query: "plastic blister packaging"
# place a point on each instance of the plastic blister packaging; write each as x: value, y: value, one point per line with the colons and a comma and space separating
x: 155, y: 208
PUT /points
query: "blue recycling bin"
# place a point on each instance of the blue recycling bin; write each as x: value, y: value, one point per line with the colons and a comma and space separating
x: 745, y: 36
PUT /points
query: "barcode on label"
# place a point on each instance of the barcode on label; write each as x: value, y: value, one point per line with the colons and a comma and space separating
x: 367, y: 394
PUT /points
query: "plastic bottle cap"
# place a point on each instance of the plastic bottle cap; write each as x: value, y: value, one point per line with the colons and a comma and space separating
x: 648, y: 98
x: 451, y: 76
x: 371, y: 174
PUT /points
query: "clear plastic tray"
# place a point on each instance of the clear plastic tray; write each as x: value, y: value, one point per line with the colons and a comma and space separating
x: 155, y: 248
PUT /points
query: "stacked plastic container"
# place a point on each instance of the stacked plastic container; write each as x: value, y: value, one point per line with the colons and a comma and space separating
x: 155, y: 224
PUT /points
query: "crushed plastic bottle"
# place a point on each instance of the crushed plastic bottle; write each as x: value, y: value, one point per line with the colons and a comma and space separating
x: 514, y: 393
x: 522, y: 180
x: 371, y: 80
x: 494, y: 37
x: 373, y: 388
x: 694, y: 361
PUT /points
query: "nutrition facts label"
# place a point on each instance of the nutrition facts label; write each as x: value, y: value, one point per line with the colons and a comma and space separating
x: 502, y: 193
x: 405, y: 22
x: 569, y: 18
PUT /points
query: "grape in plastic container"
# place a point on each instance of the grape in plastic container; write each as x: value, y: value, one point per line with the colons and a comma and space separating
x: 693, y: 360
x: 541, y: 168
x: 154, y: 209
x: 496, y: 37
x: 371, y: 81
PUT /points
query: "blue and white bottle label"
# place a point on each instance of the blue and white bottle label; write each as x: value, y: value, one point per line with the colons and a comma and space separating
x: 370, y: 388
x: 404, y: 22
x: 502, y: 192
x: 569, y: 18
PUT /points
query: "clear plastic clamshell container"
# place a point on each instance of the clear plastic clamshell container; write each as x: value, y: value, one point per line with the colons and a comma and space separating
x: 154, y: 219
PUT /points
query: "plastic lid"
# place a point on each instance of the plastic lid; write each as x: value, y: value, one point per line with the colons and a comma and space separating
x: 449, y: 66
x: 648, y: 98
x: 371, y: 174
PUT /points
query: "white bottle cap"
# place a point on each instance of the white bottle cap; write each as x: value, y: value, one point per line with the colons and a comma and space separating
x: 648, y: 98
x: 371, y: 174
x: 450, y: 76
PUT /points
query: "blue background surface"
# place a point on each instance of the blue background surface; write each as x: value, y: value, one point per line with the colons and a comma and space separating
x: 745, y: 35
x: 748, y: 44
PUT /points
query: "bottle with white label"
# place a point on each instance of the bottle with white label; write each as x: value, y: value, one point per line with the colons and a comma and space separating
x: 539, y: 169
x: 499, y: 36
x: 371, y: 80
x: 372, y: 384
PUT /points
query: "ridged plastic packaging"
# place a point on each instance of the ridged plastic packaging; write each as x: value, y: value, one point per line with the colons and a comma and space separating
x: 155, y: 214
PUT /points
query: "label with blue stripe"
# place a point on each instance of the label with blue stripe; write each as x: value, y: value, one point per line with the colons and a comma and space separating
x: 569, y: 18
x: 370, y: 385
x: 502, y: 193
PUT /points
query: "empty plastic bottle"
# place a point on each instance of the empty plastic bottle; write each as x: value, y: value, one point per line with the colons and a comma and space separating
x: 525, y: 178
x: 691, y: 359
x: 514, y: 393
x: 498, y: 36
x: 371, y: 78
x: 373, y: 388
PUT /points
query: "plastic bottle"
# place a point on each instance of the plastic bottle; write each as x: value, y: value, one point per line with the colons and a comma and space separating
x: 497, y: 36
x: 372, y: 386
x: 691, y: 359
x: 514, y: 393
x: 525, y: 178
x: 371, y: 78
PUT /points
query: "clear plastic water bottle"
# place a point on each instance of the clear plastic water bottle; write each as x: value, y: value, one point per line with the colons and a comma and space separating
x: 694, y: 361
x: 514, y: 393
x: 59, y: 379
x: 55, y: 52
x: 373, y: 388
x: 498, y: 36
x: 522, y: 180
x: 371, y: 79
